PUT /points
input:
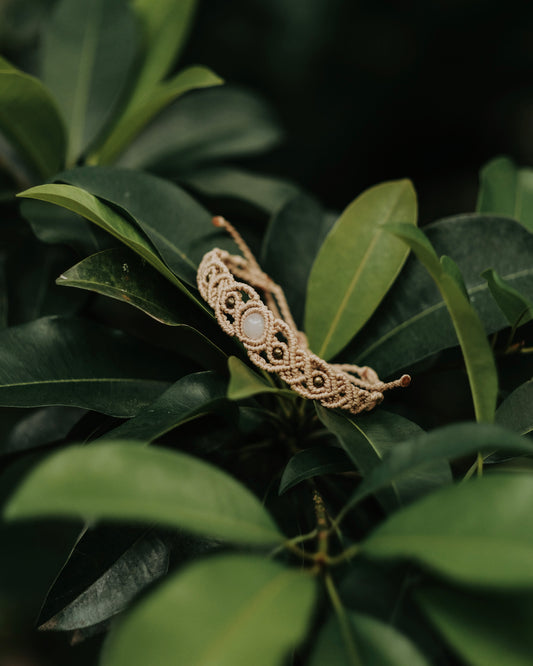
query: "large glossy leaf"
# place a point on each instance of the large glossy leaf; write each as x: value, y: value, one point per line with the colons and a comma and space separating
x: 215, y: 123
x: 485, y: 629
x: 144, y: 108
x: 121, y: 274
x: 356, y: 266
x: 267, y: 193
x: 290, y: 246
x: 443, y: 444
x: 517, y: 309
x: 230, y: 610
x: 176, y: 224
x: 124, y: 481
x: 142, y: 564
x: 478, y: 357
x: 412, y: 323
x: 369, y: 438
x: 72, y: 362
x: 89, y: 49
x: 506, y: 190
x: 187, y: 399
x: 39, y: 137
x: 377, y: 644
x: 478, y: 532
x: 87, y: 205
x: 312, y: 462
x: 166, y: 24
x: 516, y: 411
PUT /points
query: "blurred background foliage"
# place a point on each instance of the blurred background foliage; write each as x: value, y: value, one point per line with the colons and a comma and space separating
x: 365, y: 91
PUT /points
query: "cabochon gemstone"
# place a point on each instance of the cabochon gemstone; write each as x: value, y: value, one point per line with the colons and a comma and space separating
x: 253, y: 325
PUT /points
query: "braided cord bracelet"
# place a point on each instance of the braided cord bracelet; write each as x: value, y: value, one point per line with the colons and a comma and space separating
x: 270, y: 336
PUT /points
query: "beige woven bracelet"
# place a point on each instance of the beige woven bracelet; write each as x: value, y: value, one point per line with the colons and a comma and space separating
x: 270, y: 336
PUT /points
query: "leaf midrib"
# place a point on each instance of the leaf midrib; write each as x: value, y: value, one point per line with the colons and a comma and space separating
x: 79, y: 380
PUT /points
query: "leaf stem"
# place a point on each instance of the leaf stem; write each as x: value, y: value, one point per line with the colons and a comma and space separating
x: 479, y: 464
x: 344, y: 621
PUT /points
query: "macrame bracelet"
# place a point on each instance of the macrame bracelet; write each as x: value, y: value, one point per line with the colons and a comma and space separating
x: 270, y: 336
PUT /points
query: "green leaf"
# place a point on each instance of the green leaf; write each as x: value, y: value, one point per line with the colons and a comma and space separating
x: 448, y: 443
x: 54, y: 225
x: 232, y: 609
x: 484, y: 629
x: 506, y: 190
x: 187, y: 399
x: 87, y: 205
x: 142, y: 109
x: 516, y: 412
x: 166, y: 24
x: 215, y: 123
x: 40, y: 137
x: 368, y: 439
x: 378, y: 644
x: 142, y: 564
x: 74, y: 362
x: 290, y: 245
x: 244, y: 382
x: 517, y: 309
x: 267, y: 193
x: 123, y: 481
x: 89, y: 49
x: 476, y: 350
x: 356, y: 266
x: 121, y: 274
x: 315, y: 461
x: 452, y: 269
x: 175, y: 223
x: 479, y: 532
x: 412, y: 323
x: 41, y: 427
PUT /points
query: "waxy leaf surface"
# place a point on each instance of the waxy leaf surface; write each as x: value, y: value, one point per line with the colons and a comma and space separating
x: 232, y: 609
x: 73, y: 362
x: 356, y: 265
x: 124, y: 481
x: 490, y: 544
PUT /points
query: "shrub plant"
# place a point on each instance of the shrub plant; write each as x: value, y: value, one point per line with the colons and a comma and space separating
x: 161, y: 496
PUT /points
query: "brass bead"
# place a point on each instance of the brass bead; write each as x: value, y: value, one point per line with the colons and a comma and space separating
x: 318, y: 381
x: 277, y: 353
x: 230, y: 302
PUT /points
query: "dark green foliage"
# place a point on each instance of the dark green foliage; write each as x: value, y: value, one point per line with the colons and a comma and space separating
x: 186, y: 507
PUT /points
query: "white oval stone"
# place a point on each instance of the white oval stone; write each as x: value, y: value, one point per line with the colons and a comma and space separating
x: 253, y: 325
